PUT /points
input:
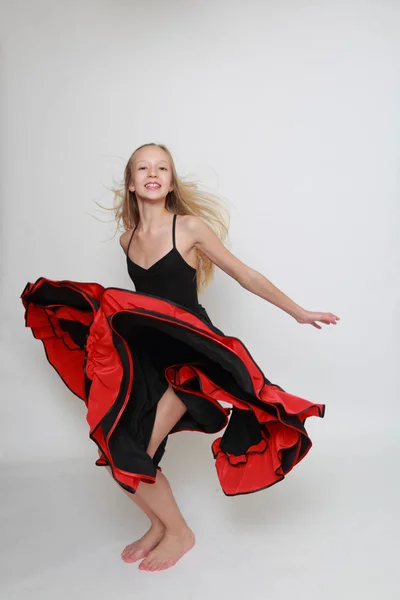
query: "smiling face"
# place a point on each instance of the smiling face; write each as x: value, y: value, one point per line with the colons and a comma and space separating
x: 151, y: 173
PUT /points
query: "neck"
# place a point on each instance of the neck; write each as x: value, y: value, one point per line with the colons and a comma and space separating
x: 152, y: 215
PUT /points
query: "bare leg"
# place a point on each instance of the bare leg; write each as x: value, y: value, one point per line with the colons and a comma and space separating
x: 158, y: 502
x: 169, y: 410
x: 141, y: 547
x: 178, y: 538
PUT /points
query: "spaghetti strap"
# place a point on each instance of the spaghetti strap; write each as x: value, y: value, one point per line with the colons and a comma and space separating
x: 127, y: 250
x: 173, y: 230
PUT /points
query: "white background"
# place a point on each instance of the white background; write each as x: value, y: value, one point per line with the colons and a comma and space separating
x: 290, y: 110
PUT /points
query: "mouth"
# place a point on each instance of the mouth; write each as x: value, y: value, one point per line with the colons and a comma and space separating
x: 152, y: 186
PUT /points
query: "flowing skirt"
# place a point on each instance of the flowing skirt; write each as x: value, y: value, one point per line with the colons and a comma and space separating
x: 119, y: 350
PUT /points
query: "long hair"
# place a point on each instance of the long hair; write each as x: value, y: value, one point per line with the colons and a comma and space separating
x: 185, y: 199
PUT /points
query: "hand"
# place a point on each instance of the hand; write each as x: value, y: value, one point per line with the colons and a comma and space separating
x: 310, y: 318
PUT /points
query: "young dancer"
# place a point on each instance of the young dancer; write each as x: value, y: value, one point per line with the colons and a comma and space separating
x: 150, y: 362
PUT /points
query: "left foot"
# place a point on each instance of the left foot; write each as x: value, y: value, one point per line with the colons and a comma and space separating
x: 169, y: 551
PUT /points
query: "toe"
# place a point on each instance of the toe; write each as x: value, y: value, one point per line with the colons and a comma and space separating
x: 132, y: 558
x: 127, y: 552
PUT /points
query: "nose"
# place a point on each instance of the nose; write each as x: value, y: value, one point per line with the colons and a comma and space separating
x: 152, y: 172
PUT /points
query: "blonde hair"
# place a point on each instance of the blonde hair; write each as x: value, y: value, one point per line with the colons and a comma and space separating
x: 186, y: 198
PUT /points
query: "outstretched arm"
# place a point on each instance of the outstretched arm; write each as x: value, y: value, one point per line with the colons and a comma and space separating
x: 209, y: 244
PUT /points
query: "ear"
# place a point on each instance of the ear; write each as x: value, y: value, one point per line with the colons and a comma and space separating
x: 131, y: 187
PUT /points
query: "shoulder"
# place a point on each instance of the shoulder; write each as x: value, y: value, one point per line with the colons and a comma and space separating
x: 192, y: 225
x: 204, y: 238
x: 124, y: 239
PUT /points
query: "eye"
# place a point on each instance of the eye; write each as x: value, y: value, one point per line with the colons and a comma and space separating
x: 141, y: 168
x: 164, y: 168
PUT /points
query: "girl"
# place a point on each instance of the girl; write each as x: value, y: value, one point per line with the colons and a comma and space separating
x: 149, y: 363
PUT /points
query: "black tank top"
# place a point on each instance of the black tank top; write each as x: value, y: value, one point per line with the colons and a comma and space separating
x: 171, y: 277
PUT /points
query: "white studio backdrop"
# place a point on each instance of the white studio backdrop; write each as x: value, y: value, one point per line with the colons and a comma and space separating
x: 289, y: 110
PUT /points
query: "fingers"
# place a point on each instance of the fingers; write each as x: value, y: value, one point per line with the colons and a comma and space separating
x: 326, y: 318
x: 329, y: 318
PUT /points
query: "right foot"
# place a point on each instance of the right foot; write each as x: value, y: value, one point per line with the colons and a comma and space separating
x: 169, y: 551
x: 141, y: 548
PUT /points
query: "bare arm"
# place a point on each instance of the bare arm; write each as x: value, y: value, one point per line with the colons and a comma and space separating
x: 209, y: 244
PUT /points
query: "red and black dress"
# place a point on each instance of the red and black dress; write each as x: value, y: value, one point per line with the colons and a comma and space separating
x: 118, y: 350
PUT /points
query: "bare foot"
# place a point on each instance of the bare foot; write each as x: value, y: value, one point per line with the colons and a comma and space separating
x: 169, y: 551
x: 142, y: 547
